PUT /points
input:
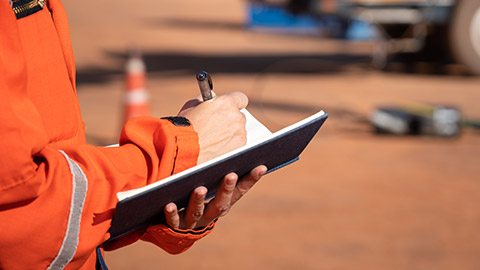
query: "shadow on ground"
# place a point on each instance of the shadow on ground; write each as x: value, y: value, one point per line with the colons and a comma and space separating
x: 321, y: 64
x: 187, y: 64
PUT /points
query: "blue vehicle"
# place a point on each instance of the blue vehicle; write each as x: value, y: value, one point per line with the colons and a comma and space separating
x: 424, y: 28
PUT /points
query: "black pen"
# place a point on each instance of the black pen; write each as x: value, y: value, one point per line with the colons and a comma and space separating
x: 206, y: 85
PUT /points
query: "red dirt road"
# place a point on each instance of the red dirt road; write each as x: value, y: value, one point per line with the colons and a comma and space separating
x: 355, y: 200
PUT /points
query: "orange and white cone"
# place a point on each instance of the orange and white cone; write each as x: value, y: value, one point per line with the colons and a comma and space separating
x: 136, y: 96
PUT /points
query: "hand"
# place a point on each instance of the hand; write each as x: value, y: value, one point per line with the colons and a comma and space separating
x: 219, y: 123
x: 198, y: 214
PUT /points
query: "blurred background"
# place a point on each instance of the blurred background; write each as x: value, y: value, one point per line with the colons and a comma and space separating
x: 391, y: 181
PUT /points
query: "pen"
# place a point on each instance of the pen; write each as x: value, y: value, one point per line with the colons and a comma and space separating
x: 206, y: 85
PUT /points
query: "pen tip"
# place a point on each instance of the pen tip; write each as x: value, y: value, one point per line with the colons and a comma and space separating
x: 202, y: 75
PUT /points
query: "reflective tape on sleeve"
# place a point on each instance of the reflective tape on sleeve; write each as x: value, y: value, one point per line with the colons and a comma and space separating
x: 72, y: 234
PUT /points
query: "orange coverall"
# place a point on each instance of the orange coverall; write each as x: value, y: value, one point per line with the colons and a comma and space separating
x: 57, y: 193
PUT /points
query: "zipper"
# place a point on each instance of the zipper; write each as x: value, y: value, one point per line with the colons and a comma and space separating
x: 39, y: 4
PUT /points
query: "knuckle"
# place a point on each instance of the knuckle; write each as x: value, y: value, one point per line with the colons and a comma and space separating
x: 228, y: 100
x: 197, y: 215
x: 239, y: 123
x: 228, y: 190
x: 241, y: 118
x: 242, y: 191
x: 242, y: 96
x: 222, y: 209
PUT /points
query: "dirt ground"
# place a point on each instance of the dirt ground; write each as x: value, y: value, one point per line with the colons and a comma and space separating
x: 355, y: 200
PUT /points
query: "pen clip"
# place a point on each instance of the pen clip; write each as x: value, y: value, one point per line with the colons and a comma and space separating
x: 210, y: 82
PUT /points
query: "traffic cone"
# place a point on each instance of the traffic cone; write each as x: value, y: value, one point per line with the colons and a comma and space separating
x: 136, y: 96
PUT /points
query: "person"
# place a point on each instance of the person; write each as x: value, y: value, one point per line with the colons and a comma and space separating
x: 58, y: 193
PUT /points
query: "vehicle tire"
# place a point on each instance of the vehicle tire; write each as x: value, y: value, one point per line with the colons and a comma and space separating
x: 464, y: 34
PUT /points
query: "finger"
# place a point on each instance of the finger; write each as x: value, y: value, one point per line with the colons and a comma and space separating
x: 171, y: 215
x: 191, y: 103
x: 195, y: 208
x: 220, y: 205
x: 195, y: 102
x: 244, y: 184
x: 241, y: 100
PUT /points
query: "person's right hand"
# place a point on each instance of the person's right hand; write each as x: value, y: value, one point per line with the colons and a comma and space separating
x: 219, y: 123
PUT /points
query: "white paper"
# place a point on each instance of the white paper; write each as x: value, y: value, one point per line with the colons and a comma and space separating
x: 255, y: 129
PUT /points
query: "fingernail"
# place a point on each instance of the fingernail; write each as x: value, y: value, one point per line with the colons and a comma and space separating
x: 202, y: 191
x: 231, y: 181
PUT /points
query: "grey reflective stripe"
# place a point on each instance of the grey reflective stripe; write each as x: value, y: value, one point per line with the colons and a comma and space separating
x: 70, y: 240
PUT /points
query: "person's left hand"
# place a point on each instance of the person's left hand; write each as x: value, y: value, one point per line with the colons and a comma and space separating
x: 198, y: 214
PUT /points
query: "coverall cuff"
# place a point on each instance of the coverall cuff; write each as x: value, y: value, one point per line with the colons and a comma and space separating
x: 175, y: 241
x: 169, y: 146
x: 186, y: 140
